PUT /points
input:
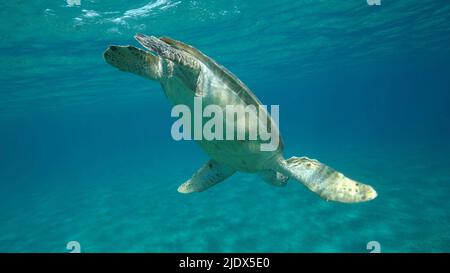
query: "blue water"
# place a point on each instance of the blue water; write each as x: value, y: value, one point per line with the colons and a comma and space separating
x: 86, y: 153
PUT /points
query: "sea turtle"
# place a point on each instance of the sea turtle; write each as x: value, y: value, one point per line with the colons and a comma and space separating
x: 186, y: 73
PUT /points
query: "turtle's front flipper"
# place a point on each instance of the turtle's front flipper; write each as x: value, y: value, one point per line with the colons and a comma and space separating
x: 209, y: 175
x: 326, y: 182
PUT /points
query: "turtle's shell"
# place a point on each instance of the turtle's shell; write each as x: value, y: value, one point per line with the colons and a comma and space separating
x: 229, y: 78
x: 244, y: 152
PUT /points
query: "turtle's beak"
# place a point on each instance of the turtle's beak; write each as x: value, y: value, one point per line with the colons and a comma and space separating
x: 110, y: 54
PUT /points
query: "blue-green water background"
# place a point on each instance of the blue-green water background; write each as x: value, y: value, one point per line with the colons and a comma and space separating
x: 86, y: 152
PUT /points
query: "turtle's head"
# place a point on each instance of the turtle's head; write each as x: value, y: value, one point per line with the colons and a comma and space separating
x: 165, y: 59
x: 134, y: 60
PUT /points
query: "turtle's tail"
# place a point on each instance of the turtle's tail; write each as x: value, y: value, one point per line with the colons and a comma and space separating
x: 326, y: 182
x: 134, y: 60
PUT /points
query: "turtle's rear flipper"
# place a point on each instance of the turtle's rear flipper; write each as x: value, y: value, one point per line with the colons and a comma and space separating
x: 274, y: 178
x: 209, y: 175
x: 326, y: 182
